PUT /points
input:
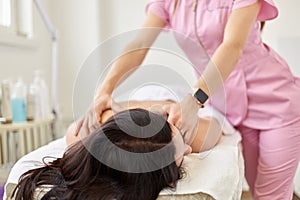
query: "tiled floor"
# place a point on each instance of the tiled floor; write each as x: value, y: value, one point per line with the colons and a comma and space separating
x: 246, y: 196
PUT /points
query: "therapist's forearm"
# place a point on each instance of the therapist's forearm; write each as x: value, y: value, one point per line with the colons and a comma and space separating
x: 129, y: 61
x: 219, y: 68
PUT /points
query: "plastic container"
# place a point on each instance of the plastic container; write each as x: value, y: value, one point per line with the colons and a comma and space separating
x: 0, y: 103
x: 1, y: 118
x: 31, y: 103
x: 6, y: 102
x: 42, y: 105
x: 18, y: 101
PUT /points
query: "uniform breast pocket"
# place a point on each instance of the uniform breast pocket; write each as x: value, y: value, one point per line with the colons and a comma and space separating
x: 213, y: 5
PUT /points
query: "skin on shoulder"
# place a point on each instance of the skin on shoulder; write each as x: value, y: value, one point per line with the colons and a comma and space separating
x: 207, y: 134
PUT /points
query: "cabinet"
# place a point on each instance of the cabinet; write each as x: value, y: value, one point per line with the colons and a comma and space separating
x: 18, y: 139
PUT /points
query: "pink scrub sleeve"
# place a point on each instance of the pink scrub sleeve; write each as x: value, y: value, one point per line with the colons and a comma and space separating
x: 267, y: 11
x: 158, y: 7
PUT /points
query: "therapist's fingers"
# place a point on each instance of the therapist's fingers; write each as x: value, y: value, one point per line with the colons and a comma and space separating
x: 92, y: 120
x: 78, y: 126
x: 87, y: 124
x: 188, y: 149
x: 189, y: 118
x: 98, y: 108
x: 174, y: 114
x: 166, y: 109
x: 189, y: 135
x: 84, y: 130
x: 102, y: 102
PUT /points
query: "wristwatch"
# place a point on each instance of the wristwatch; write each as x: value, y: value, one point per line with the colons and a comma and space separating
x: 201, y: 96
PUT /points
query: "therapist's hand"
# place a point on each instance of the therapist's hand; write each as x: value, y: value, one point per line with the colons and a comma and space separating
x: 93, y: 117
x: 87, y: 124
x: 105, y: 102
x: 184, y: 116
x: 102, y: 102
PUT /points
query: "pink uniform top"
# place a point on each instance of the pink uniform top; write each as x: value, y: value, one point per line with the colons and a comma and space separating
x: 261, y: 92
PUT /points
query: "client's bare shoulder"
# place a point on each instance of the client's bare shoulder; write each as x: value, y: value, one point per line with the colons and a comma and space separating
x: 207, y: 135
x: 70, y: 134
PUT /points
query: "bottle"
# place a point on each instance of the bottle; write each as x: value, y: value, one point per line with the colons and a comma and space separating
x: 18, y: 101
x: 0, y: 103
x: 1, y: 118
x: 31, y: 102
x: 6, y: 102
x: 42, y: 97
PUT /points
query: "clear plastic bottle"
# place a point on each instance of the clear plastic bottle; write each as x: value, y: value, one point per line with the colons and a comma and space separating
x: 18, y: 101
x: 6, y: 102
x: 42, y: 110
x: 0, y: 103
x: 31, y: 103
x: 1, y: 118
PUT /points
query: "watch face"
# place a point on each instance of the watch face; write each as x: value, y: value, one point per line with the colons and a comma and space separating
x: 201, y: 96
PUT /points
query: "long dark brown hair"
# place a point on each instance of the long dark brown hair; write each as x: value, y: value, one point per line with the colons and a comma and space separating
x: 80, y: 175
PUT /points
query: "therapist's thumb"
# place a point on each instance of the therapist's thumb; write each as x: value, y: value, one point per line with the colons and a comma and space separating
x: 188, y: 149
x: 172, y: 118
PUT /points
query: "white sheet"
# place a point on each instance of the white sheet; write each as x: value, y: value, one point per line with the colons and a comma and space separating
x: 34, y: 160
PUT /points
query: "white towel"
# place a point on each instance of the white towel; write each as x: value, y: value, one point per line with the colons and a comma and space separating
x: 217, y: 172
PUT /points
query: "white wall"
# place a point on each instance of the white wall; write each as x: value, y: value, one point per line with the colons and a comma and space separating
x: 120, y: 16
x: 78, y: 23
x: 21, y: 60
x: 283, y: 33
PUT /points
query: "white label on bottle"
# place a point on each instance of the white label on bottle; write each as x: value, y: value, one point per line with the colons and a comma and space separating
x: 30, y: 106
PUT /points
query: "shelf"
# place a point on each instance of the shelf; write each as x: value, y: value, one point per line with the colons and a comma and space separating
x: 24, y: 125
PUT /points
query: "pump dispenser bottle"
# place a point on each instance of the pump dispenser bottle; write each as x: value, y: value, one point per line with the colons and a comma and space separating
x: 18, y: 101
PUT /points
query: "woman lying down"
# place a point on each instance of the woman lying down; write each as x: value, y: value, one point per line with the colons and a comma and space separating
x: 134, y: 154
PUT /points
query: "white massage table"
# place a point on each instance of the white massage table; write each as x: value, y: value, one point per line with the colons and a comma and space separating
x: 214, y: 174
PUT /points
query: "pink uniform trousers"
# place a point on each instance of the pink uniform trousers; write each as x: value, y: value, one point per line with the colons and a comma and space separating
x: 271, y: 159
